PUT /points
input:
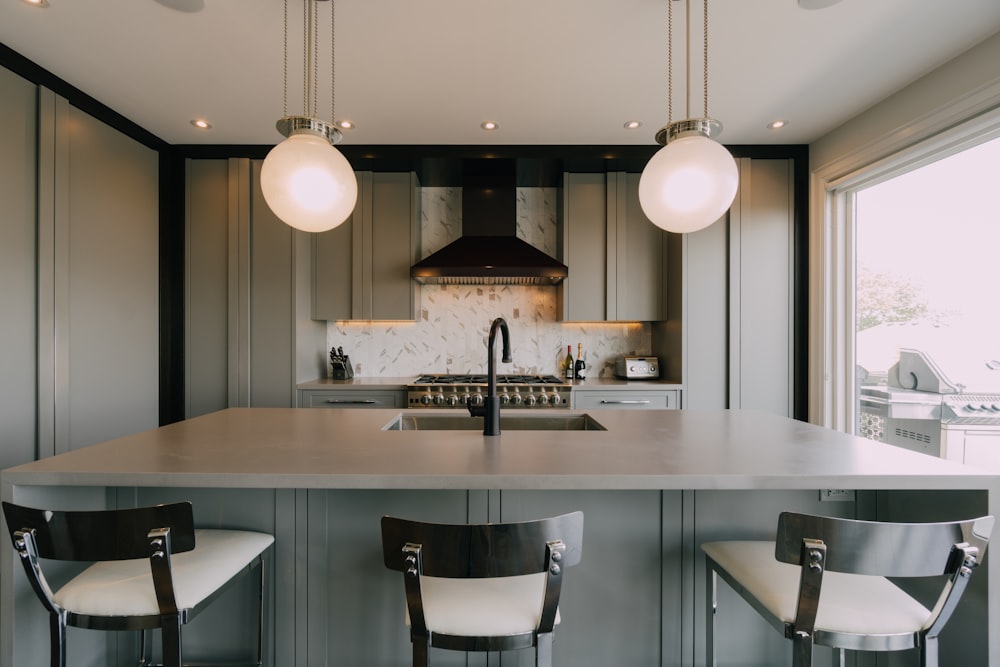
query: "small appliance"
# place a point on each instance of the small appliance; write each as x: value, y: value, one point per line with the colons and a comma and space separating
x: 637, y: 368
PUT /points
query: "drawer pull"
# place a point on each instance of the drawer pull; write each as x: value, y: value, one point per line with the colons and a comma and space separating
x: 626, y: 402
x: 350, y: 401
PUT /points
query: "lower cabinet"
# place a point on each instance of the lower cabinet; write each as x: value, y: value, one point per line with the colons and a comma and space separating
x: 626, y: 399
x: 359, y: 398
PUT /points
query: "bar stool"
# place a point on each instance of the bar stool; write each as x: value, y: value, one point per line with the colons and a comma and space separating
x: 823, y: 581
x: 482, y: 587
x: 152, y: 569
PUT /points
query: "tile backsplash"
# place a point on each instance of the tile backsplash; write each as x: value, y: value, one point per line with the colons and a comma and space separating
x: 451, y: 332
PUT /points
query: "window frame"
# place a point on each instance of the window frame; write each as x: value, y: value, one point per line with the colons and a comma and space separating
x: 832, y: 390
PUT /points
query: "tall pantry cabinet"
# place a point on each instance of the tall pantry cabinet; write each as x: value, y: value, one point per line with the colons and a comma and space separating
x: 249, y: 334
x: 738, y: 305
x: 79, y: 290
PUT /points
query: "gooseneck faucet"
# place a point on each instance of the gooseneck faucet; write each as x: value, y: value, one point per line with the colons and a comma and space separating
x: 490, y: 409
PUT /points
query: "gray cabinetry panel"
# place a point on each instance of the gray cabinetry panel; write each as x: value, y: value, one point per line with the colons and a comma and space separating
x: 738, y: 297
x: 18, y: 332
x: 98, y: 274
x: 206, y: 345
x: 249, y: 334
x: 352, y: 399
x: 622, y: 399
x: 616, y: 257
x: 627, y: 589
x: 361, y: 269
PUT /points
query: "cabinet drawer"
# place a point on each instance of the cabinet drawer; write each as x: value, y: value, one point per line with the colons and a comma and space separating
x: 352, y: 399
x: 667, y: 399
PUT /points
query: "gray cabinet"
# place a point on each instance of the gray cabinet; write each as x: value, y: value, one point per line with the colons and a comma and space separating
x: 18, y: 333
x: 625, y: 399
x: 616, y: 257
x: 249, y: 338
x: 354, y: 398
x: 98, y: 280
x: 738, y: 298
x: 361, y: 269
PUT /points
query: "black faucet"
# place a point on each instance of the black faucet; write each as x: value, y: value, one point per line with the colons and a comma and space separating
x: 490, y: 409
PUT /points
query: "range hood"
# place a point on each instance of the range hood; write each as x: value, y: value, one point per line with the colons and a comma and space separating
x: 489, y: 251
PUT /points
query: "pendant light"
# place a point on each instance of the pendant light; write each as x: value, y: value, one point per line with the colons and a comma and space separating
x: 690, y: 182
x: 307, y: 182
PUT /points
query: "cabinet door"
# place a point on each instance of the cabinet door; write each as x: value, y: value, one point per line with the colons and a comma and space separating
x: 616, y: 257
x: 639, y: 256
x: 362, y: 267
x: 584, y: 244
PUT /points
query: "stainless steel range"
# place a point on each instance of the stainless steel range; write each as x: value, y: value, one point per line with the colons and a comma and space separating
x: 514, y: 391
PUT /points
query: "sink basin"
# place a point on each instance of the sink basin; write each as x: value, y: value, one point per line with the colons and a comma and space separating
x: 463, y: 422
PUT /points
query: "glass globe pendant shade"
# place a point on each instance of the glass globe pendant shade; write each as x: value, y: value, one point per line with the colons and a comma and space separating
x: 688, y: 184
x: 308, y: 183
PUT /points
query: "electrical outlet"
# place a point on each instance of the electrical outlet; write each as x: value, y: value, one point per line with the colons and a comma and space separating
x: 836, y: 495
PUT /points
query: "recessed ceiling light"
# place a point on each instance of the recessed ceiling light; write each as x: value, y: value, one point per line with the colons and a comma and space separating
x: 776, y: 124
x: 489, y: 125
x: 38, y: 3
x: 201, y: 123
x: 633, y: 124
x: 345, y: 124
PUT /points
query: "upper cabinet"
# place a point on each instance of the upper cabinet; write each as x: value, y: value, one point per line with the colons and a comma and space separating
x: 616, y: 256
x: 361, y: 269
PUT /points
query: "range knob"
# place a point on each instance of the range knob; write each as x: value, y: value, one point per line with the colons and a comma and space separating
x: 543, y: 398
x: 464, y: 398
x: 477, y: 398
x: 555, y: 398
x: 453, y: 400
x: 504, y: 398
x: 515, y: 399
x: 426, y: 399
x: 439, y: 398
x: 530, y: 400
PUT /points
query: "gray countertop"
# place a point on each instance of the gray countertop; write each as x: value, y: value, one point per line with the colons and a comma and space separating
x: 348, y: 448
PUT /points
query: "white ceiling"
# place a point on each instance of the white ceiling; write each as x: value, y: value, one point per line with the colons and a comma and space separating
x: 549, y: 71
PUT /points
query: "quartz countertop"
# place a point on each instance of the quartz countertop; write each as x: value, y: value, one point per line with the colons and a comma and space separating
x: 348, y: 448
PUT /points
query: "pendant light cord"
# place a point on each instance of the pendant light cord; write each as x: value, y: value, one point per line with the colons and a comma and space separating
x: 705, y: 42
x: 333, y: 59
x: 670, y: 61
x: 284, y: 78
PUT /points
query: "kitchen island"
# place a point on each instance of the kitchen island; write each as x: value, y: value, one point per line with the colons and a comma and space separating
x: 653, y: 485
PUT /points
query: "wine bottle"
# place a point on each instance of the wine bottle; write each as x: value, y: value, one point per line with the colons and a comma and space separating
x: 578, y: 368
x: 569, y: 368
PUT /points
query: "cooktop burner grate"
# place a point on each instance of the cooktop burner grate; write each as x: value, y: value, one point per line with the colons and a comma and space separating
x: 450, y: 379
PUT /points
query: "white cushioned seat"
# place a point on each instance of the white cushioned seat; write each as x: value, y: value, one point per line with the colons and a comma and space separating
x: 125, y: 587
x: 483, y: 607
x: 849, y: 603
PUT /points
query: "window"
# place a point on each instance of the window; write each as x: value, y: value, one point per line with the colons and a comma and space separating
x: 927, y: 251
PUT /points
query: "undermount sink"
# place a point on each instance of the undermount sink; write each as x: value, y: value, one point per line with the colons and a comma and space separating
x: 463, y: 422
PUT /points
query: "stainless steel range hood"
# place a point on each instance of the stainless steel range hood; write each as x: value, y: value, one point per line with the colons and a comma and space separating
x: 489, y: 251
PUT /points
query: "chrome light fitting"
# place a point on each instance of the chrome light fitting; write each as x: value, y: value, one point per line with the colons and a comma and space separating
x: 305, y: 181
x: 690, y: 182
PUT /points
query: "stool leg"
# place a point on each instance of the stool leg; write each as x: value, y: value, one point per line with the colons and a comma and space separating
x: 802, y: 645
x: 711, y: 584
x: 929, y: 652
x: 543, y: 650
x: 57, y: 639
x: 171, y: 634
x: 419, y: 651
x: 260, y: 611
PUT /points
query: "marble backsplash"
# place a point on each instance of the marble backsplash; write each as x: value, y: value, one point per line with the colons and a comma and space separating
x: 451, y: 332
